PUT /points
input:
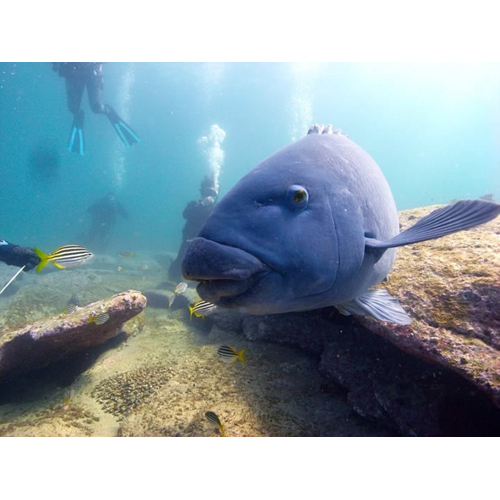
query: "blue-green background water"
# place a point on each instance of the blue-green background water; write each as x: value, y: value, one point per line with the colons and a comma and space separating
x: 434, y: 129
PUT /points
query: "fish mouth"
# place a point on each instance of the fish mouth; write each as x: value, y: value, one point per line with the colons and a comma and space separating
x: 219, y: 291
x: 223, y: 271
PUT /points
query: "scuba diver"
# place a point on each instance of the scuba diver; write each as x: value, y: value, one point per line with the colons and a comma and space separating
x: 19, y: 256
x: 195, y: 213
x: 79, y: 75
x: 103, y: 213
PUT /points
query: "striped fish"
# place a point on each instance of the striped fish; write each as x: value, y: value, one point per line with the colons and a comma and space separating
x: 229, y: 355
x: 62, y: 257
x: 179, y: 290
x: 201, y: 308
x: 98, y: 319
x: 70, y: 308
x: 214, y: 419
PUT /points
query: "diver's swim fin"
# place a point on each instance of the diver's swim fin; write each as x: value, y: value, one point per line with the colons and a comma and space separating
x: 447, y: 220
x: 376, y: 303
x: 125, y: 133
x: 76, y: 143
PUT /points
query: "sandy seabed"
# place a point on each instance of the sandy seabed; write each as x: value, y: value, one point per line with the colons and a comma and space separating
x: 162, y: 374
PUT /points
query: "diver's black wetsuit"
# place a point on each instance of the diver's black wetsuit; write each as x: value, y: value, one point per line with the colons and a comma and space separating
x: 79, y: 75
x: 196, y: 213
x: 17, y: 255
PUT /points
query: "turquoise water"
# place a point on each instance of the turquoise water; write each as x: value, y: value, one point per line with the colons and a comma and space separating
x: 433, y: 128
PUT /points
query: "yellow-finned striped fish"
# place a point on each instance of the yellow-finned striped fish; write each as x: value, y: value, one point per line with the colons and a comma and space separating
x: 98, y: 319
x: 228, y: 354
x: 201, y: 308
x: 214, y: 419
x: 62, y: 257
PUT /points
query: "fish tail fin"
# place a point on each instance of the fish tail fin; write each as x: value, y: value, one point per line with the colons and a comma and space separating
x: 241, y: 356
x: 171, y: 301
x: 222, y: 430
x: 92, y: 319
x: 462, y: 215
x: 191, y: 310
x: 44, y: 259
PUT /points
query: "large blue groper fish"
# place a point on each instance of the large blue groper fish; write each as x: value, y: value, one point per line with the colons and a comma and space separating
x: 313, y: 225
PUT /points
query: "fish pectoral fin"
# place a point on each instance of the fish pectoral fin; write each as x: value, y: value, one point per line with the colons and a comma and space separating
x: 441, y: 222
x: 378, y: 304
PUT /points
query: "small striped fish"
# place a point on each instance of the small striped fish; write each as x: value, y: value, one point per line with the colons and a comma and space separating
x: 63, y: 257
x: 201, y: 308
x: 179, y: 290
x: 228, y: 354
x: 99, y: 319
x: 70, y: 308
x: 214, y: 419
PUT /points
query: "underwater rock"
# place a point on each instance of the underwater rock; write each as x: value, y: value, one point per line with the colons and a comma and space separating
x: 307, y: 330
x: 228, y: 320
x: 157, y: 298
x: 52, y: 339
x: 387, y: 385
x: 383, y: 383
x: 451, y: 289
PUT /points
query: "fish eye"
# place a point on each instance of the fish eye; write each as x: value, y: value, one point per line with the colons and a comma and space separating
x: 298, y: 196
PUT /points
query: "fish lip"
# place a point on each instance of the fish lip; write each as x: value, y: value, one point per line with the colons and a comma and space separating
x: 265, y: 263
x: 215, y: 290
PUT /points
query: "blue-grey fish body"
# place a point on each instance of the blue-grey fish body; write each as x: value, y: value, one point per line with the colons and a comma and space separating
x: 311, y: 226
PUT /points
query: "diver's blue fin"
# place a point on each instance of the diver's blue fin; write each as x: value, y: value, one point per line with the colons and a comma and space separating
x: 76, y: 142
x: 378, y: 304
x: 124, y: 131
x: 447, y: 220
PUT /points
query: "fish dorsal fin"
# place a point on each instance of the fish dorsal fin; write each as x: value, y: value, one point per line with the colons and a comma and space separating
x: 319, y: 128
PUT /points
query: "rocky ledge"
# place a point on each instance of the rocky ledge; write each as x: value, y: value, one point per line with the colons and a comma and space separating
x: 49, y: 340
x: 451, y: 289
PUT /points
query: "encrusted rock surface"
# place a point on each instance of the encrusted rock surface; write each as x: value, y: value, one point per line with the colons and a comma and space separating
x: 46, y: 341
x: 451, y: 289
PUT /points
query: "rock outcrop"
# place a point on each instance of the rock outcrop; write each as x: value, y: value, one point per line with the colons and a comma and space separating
x: 49, y: 340
x: 451, y: 289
